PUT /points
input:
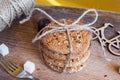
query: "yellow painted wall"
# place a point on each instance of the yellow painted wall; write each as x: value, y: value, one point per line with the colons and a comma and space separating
x: 112, y: 5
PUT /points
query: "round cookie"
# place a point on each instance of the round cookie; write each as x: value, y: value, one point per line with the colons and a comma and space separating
x: 58, y: 41
x: 52, y: 54
x: 68, y: 69
x: 58, y: 56
x: 55, y: 48
x: 72, y: 62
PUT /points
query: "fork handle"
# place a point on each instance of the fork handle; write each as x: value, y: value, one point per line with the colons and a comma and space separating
x: 23, y: 74
x: 34, y: 78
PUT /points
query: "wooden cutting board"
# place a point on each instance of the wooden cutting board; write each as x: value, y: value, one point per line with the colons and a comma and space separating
x: 18, y: 38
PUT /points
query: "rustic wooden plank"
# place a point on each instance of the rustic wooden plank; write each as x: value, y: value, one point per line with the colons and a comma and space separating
x: 18, y: 38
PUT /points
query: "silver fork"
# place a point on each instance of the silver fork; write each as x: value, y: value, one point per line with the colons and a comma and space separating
x: 14, y: 69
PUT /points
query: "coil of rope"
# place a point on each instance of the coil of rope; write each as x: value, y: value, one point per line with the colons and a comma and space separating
x: 11, y: 9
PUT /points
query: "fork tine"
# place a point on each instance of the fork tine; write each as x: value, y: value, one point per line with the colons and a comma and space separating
x: 10, y: 66
x: 13, y: 64
x: 6, y: 64
x: 10, y: 63
x: 5, y: 67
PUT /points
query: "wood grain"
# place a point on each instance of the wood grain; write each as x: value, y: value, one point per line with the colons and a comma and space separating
x: 18, y: 38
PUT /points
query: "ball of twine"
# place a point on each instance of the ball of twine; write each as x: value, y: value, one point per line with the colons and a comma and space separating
x: 11, y: 9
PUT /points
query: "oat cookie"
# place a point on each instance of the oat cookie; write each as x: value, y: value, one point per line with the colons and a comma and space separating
x: 55, y: 48
x: 68, y: 69
x: 58, y: 41
x: 72, y: 62
x: 59, y: 56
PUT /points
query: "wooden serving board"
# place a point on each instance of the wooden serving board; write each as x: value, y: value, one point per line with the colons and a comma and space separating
x: 18, y: 38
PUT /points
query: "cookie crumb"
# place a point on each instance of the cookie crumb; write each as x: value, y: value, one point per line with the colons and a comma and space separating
x: 81, y: 65
x: 105, y: 75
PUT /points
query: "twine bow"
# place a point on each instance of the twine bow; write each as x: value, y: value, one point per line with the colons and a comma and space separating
x: 68, y: 27
x: 65, y: 27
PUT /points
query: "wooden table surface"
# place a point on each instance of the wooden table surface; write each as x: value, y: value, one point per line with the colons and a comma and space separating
x: 18, y: 38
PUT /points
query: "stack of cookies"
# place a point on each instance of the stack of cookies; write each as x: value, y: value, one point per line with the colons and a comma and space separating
x: 55, y: 49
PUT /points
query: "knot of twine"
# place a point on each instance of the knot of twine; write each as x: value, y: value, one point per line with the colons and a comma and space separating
x: 10, y: 9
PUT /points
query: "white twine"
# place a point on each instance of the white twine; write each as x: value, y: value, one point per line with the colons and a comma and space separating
x: 10, y: 9
x: 68, y: 27
x: 64, y: 27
